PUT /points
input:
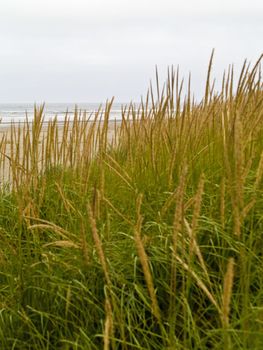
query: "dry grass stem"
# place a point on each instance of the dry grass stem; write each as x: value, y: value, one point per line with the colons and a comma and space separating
x: 98, y: 245
x: 200, y: 283
x: 227, y: 292
x: 145, y: 262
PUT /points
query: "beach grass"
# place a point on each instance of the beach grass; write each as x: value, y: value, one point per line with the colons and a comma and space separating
x: 143, y: 234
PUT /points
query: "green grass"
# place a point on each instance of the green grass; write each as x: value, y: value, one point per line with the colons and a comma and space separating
x: 151, y: 239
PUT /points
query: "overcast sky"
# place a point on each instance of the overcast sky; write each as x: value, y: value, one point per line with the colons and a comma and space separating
x: 90, y: 50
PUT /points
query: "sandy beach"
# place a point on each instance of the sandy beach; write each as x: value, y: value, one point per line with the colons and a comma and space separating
x: 18, y: 143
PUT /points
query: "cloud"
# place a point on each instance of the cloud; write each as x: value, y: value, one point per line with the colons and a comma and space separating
x: 46, y: 42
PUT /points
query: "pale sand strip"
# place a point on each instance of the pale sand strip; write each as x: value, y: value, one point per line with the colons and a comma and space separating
x: 6, y: 136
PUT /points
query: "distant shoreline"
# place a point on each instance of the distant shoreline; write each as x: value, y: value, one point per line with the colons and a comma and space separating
x: 7, y: 134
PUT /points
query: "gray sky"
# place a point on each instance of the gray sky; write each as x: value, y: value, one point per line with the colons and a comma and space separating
x: 87, y: 51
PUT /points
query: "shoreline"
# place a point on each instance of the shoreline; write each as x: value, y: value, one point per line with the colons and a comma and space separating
x: 17, y: 143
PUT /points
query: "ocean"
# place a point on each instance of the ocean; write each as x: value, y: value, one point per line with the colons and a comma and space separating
x: 16, y: 112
